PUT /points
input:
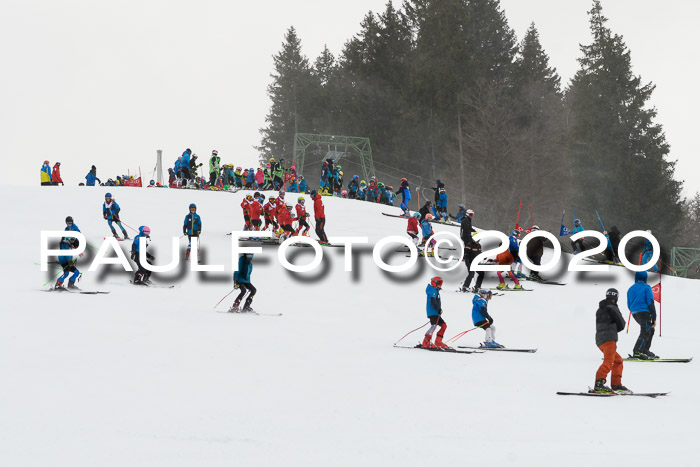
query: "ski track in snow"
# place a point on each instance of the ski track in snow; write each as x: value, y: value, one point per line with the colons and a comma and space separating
x: 146, y: 377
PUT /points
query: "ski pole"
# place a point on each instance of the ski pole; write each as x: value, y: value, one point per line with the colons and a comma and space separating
x: 463, y: 333
x: 129, y: 226
x: 629, y: 318
x: 51, y: 280
x: 411, y: 333
x: 223, y: 298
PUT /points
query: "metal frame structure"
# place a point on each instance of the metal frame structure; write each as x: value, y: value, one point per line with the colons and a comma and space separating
x: 338, y: 145
x: 683, y: 259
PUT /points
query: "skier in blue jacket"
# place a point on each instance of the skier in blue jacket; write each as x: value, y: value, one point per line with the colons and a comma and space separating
x: 442, y: 205
x: 241, y: 280
x: 514, y: 248
x: 142, y: 275
x: 68, y: 262
x: 433, y: 308
x: 110, y: 211
x: 91, y: 177
x: 482, y: 319
x: 640, y: 301
x: 405, y: 192
x: 353, y: 186
x: 578, y: 245
x: 648, y: 253
x: 192, y: 228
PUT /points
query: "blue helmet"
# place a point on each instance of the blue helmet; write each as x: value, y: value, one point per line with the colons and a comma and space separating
x: 193, y: 206
x: 515, y: 232
x: 577, y: 221
x: 108, y: 195
x: 355, y: 177
x: 416, y: 215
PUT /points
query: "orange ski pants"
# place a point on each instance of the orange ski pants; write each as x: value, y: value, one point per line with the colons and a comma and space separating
x: 611, y: 361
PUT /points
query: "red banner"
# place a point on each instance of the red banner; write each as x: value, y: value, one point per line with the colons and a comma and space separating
x: 132, y: 182
x: 656, y: 290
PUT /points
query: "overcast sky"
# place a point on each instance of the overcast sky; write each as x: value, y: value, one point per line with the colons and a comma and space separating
x: 108, y: 83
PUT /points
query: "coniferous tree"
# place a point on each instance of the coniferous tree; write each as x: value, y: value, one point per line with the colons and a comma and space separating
x: 616, y: 146
x: 291, y: 94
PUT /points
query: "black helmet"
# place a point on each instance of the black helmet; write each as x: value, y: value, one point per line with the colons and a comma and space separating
x: 612, y: 293
x: 69, y: 220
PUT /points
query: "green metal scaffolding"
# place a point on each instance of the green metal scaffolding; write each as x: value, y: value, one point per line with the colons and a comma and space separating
x: 685, y: 260
x: 334, y: 144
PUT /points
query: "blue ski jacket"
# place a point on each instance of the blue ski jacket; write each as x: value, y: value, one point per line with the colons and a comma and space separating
x: 245, y: 267
x: 193, y: 224
x: 442, y: 200
x: 111, y: 211
x: 434, y: 304
x: 640, y: 298
x: 513, y: 245
x: 479, y: 309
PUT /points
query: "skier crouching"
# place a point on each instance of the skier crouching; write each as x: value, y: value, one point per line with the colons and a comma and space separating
x: 142, y: 275
x: 434, y: 310
x: 241, y: 280
x: 482, y: 319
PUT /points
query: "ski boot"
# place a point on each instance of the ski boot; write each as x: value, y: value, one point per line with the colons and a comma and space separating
x: 651, y: 355
x: 59, y: 285
x: 518, y: 287
x: 187, y: 255
x: 126, y: 235
x: 234, y: 308
x: 641, y: 356
x: 72, y: 286
x: 600, y: 387
x: 502, y: 286
x: 520, y: 275
x: 426, y: 342
x: 439, y: 344
x: 492, y: 345
x: 247, y: 309
x: 620, y: 389
x: 114, y: 234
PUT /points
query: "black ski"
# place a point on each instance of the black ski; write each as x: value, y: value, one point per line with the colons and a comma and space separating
x: 249, y: 313
x: 86, y: 292
x: 612, y: 394
x: 154, y: 286
x: 510, y: 290
x: 495, y: 294
x: 660, y: 360
x: 541, y: 281
x: 502, y: 349
x: 435, y: 349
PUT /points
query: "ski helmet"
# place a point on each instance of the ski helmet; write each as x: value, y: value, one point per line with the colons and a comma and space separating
x: 470, y: 212
x: 390, y: 188
x: 577, y: 221
x: 46, y: 162
x: 108, y: 195
x: 248, y: 255
x: 261, y: 197
x: 293, y: 169
x: 515, y: 232
x: 193, y: 206
x: 69, y: 220
x: 289, y: 207
x: 485, y: 293
x: 256, y: 194
x: 249, y: 197
x: 429, y: 217
x: 215, y: 152
x: 416, y: 215
x: 152, y: 182
x: 404, y: 179
x: 534, y: 227
x: 461, y: 207
x: 612, y: 293
x: 146, y: 230
x: 301, y: 199
x: 272, y: 198
x: 363, y: 183
x: 355, y: 177
x: 272, y: 159
x: 380, y: 185
x: 58, y: 163
x: 313, y: 193
x: 436, y: 282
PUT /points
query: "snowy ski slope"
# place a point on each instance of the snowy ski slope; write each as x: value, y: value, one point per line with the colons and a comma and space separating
x: 151, y: 377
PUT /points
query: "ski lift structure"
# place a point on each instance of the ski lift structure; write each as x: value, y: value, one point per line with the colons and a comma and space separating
x: 357, y: 150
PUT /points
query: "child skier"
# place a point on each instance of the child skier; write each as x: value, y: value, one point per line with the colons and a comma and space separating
x: 434, y: 310
x: 412, y: 228
x: 245, y: 206
x: 110, y: 211
x: 405, y: 192
x: 284, y: 215
x: 142, y: 275
x: 482, y: 319
x: 192, y: 228
x: 241, y: 280
x: 353, y: 186
x: 506, y: 259
x: 270, y: 213
x: 648, y: 253
x: 442, y: 205
x: 578, y: 245
x: 68, y: 262
x: 302, y: 215
x: 514, y: 248
x: 640, y: 301
x: 427, y: 232
x: 255, y: 210
x: 608, y: 323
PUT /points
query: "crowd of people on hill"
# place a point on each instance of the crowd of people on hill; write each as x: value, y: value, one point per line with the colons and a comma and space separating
x: 52, y: 177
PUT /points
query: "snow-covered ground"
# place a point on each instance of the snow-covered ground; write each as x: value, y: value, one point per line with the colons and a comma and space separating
x: 146, y: 377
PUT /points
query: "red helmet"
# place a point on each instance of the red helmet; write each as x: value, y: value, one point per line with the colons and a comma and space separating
x: 436, y: 282
x: 404, y: 179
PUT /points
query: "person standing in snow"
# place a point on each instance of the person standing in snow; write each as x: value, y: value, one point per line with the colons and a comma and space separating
x: 91, y: 177
x: 578, y: 245
x: 442, y: 205
x: 608, y: 323
x: 320, y: 217
x: 412, y: 228
x: 506, y: 259
x: 466, y: 230
x: 640, y: 301
x: 614, y: 241
x: 110, y: 211
x: 302, y: 215
x: 405, y: 192
x: 482, y: 319
x: 241, y: 280
x: 68, y: 262
x: 471, y: 251
x: 648, y: 252
x: 142, y: 275
x: 514, y: 248
x: 46, y: 174
x: 433, y: 308
x: 214, y: 168
x: 192, y: 228
x: 56, y: 174
x: 535, y: 251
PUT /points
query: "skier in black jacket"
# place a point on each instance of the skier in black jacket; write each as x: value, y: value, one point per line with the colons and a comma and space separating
x: 614, y: 237
x: 608, y: 323
x: 466, y: 230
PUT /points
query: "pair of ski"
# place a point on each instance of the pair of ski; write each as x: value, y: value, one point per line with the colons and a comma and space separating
x: 498, y: 349
x: 612, y: 394
x: 153, y: 286
x: 84, y: 292
x: 660, y: 360
x: 250, y: 313
x: 510, y: 290
x: 401, y: 216
x: 539, y: 280
x: 437, y: 349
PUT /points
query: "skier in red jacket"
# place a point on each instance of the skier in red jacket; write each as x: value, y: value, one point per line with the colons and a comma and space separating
x: 301, y: 217
x: 255, y: 211
x: 320, y: 216
x: 412, y: 228
x: 245, y: 205
x: 270, y: 213
x: 285, y: 218
x: 56, y: 174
